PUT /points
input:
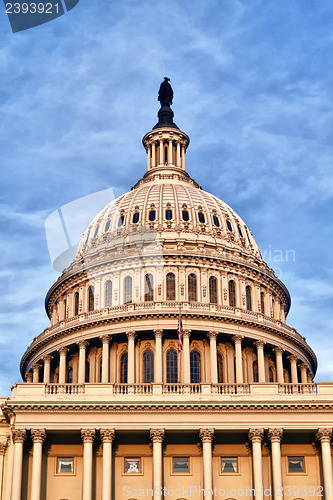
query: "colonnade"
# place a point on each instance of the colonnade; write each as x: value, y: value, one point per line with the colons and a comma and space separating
x: 234, y: 354
x: 157, y: 436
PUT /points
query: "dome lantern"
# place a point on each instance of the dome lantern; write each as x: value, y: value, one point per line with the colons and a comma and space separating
x: 165, y: 144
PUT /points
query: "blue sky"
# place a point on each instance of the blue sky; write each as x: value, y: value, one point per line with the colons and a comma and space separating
x: 253, y: 84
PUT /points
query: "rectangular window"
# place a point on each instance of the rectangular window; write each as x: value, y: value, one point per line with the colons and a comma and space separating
x: 181, y: 465
x: 229, y: 465
x: 132, y: 465
x: 65, y: 466
x: 295, y: 464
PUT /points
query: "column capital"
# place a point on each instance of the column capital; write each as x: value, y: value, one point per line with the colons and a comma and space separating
x: 19, y: 435
x: 28, y: 377
x: 324, y: 435
x: 158, y: 334
x: 237, y: 339
x: 131, y: 334
x: 75, y: 355
x: 278, y: 351
x: 206, y: 435
x: 187, y: 333
x: 105, y: 339
x: 107, y: 435
x: 310, y: 375
x: 212, y: 334
x: 38, y: 435
x: 82, y: 344
x: 259, y: 344
x: 256, y: 435
x: 275, y: 435
x: 293, y: 358
x: 3, y: 447
x: 157, y: 435
x: 36, y: 366
x: 88, y: 435
x: 303, y: 367
x: 63, y: 351
x: 47, y: 359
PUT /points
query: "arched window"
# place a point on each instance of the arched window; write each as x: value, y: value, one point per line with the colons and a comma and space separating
x: 213, y: 290
x: 262, y: 302
x: 255, y: 371
x: 136, y: 217
x: 152, y: 215
x: 195, y: 367
x: 168, y: 214
x: 201, y: 217
x: 91, y: 299
x: 108, y: 294
x: 127, y: 289
x: 121, y: 220
x: 148, y: 367
x: 172, y: 367
x: 123, y: 368
x: 216, y: 221
x: 271, y: 374
x: 170, y: 286
x: 76, y: 303
x: 192, y: 288
x: 232, y: 294
x: 96, y: 231
x: 248, y: 294
x: 240, y: 231
x: 219, y: 369
x: 107, y: 226
x: 229, y: 226
x: 166, y: 155
x: 185, y: 216
x: 149, y: 288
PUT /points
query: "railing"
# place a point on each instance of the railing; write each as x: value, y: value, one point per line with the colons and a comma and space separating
x: 230, y: 388
x: 297, y: 388
x: 214, y: 390
x: 64, y: 389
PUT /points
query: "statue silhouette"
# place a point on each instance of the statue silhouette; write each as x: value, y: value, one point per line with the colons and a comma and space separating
x: 165, y: 94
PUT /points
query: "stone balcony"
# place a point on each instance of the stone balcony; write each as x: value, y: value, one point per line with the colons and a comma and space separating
x: 219, y: 393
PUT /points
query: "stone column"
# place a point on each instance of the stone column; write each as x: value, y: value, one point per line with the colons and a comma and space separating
x: 47, y: 369
x: 261, y: 363
x: 157, y: 436
x: 256, y: 436
x: 158, y: 357
x: 279, y: 365
x: 35, y: 373
x: 212, y: 335
x: 310, y: 377
x: 75, y: 367
x: 293, y: 369
x: 178, y: 154
x: 3, y: 447
x: 161, y: 152
x: 186, y: 357
x: 105, y: 358
x: 304, y: 373
x: 88, y: 436
x: 230, y: 363
x: 82, y: 361
x: 153, y: 154
x: 324, y: 436
x: 170, y: 152
x: 206, y: 436
x: 107, y: 436
x: 18, y: 439
x: 62, y: 364
x: 148, y: 157
x: 275, y: 436
x: 183, y: 156
x: 38, y: 436
x: 28, y: 377
x: 131, y: 357
x: 238, y: 356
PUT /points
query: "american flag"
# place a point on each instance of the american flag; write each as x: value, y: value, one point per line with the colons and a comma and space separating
x: 180, y: 333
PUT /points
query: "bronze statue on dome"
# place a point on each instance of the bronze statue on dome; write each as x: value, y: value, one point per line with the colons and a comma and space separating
x: 165, y: 94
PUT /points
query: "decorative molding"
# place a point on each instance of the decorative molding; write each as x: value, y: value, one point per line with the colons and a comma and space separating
x: 206, y: 435
x: 237, y: 339
x: 275, y: 435
x: 158, y: 333
x: 105, y: 339
x: 324, y: 435
x: 157, y: 435
x: 212, y: 334
x: 131, y: 334
x: 38, y: 435
x: 88, y: 435
x: 107, y: 435
x: 256, y: 435
x: 83, y: 344
x: 19, y: 435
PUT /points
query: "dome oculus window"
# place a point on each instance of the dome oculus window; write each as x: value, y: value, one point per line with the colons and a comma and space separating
x: 121, y: 220
x: 216, y: 221
x: 152, y: 215
x: 185, y: 216
x: 229, y: 225
x: 168, y: 214
x: 201, y: 217
x: 136, y: 217
x: 107, y: 226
